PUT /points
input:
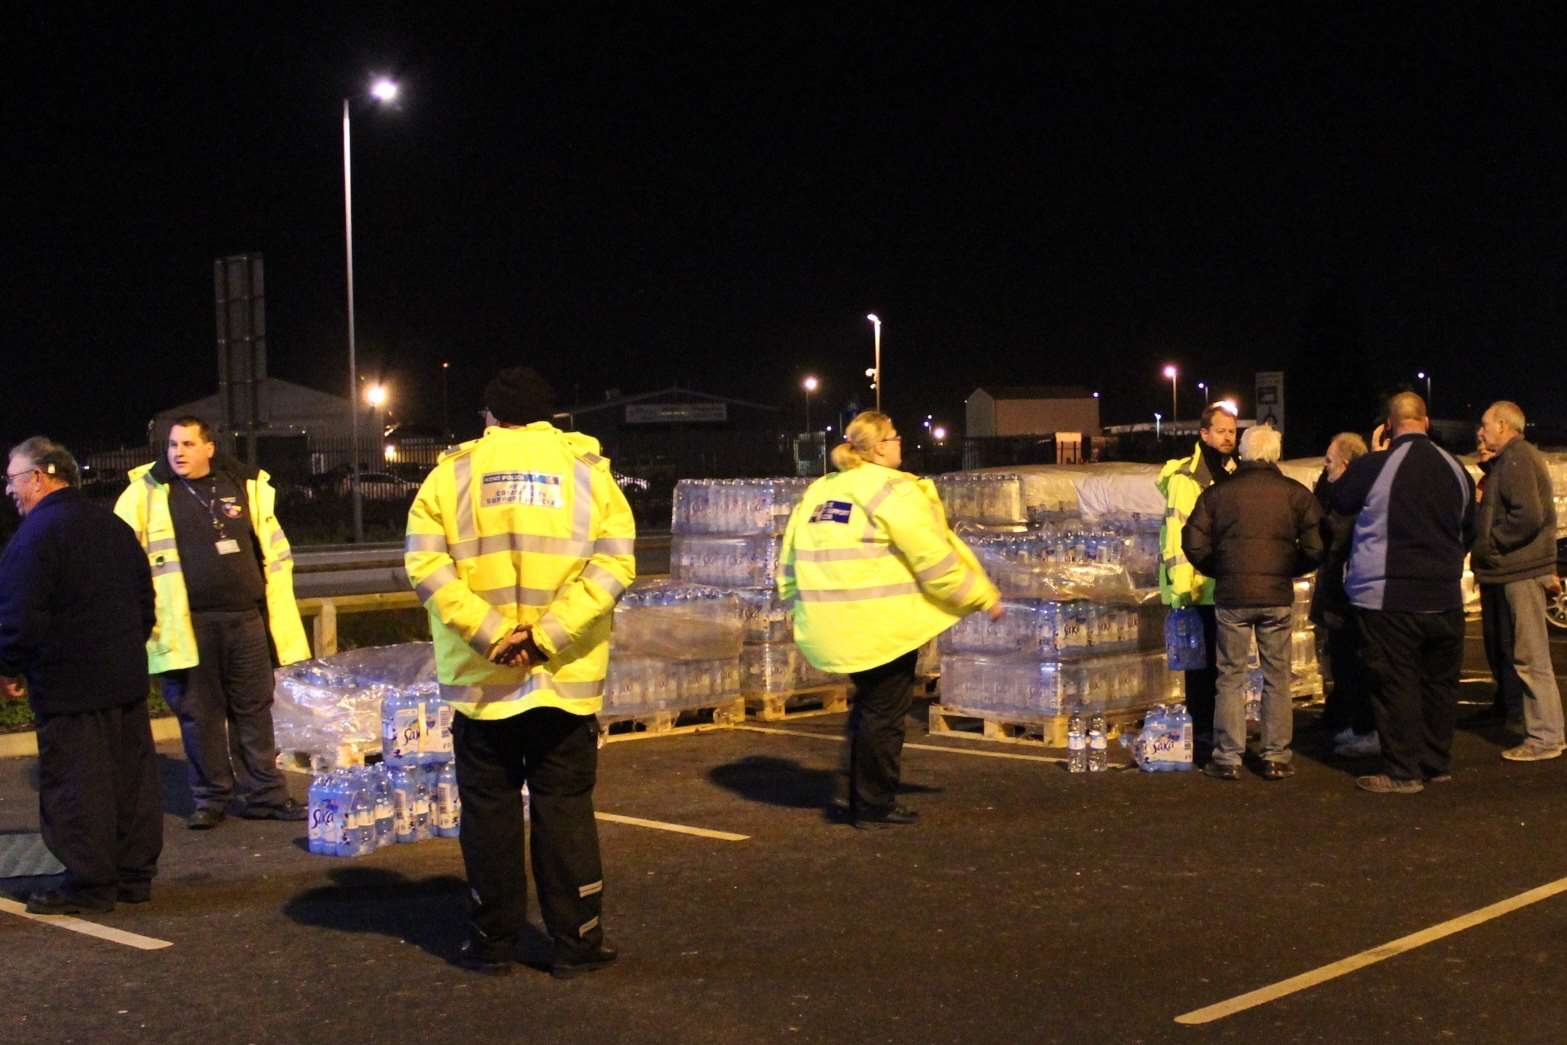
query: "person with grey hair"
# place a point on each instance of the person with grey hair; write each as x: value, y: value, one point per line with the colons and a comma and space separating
x: 76, y: 607
x: 1347, y: 713
x: 1254, y: 535
x: 1513, y: 556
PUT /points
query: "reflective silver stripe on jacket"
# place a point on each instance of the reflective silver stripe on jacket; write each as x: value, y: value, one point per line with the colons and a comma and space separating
x: 279, y: 561
x: 490, y: 632
x: 877, y: 551
x: 162, y: 544
x: 539, y: 680
x: 873, y: 504
x: 516, y: 595
x: 930, y: 573
x: 519, y: 542
x: 277, y: 537
x: 424, y: 542
x: 462, y: 473
x: 585, y: 891
x: 588, y: 926
x: 883, y: 591
x: 615, y: 546
x: 170, y: 566
x: 437, y: 580
x: 555, y: 630
x: 1174, y: 560
x: 582, y: 502
x: 604, y: 579
x: 961, y: 595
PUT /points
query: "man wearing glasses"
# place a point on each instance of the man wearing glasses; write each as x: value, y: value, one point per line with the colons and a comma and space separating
x: 76, y: 606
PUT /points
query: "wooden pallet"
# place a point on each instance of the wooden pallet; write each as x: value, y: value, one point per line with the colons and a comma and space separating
x: 725, y: 715
x: 292, y: 761
x: 964, y: 724
x: 831, y: 698
x: 927, y: 686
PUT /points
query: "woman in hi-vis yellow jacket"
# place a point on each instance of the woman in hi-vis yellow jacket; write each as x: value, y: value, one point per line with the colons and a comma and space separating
x: 872, y: 572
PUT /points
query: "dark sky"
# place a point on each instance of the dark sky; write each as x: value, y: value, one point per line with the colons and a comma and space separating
x: 628, y: 197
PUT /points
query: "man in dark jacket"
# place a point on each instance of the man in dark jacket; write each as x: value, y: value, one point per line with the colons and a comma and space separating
x: 76, y: 608
x: 1408, y: 511
x: 1347, y: 712
x: 1254, y: 534
x: 1514, y: 560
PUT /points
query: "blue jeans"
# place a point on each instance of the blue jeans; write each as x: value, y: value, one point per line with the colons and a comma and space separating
x: 1271, y: 624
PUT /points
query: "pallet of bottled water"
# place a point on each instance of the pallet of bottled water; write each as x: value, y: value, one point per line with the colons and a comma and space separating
x: 328, y: 711
x: 638, y: 686
x: 764, y: 616
x: 1048, y: 629
x: 999, y: 499
x: 1044, y: 564
x: 735, y: 506
x: 725, y: 561
x: 1023, y: 688
x: 779, y: 667
x: 678, y: 621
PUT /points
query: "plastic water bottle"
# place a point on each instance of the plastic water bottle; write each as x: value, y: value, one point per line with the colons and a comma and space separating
x: 1181, y: 720
x: 1076, y: 743
x: 1152, y: 750
x: 437, y: 742
x: 320, y: 812
x: 402, y: 728
x: 381, y: 792
x: 1098, y: 751
x: 448, y: 807
x: 403, y: 805
x: 421, y: 816
x: 363, y: 813
x: 1184, y: 644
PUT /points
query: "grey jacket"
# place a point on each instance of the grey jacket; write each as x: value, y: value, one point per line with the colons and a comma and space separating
x: 1515, y: 528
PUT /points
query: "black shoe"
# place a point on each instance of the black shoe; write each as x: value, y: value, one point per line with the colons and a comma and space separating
x: 133, y: 892
x: 895, y: 817
x: 592, y: 961
x: 204, y: 819
x: 289, y: 810
x: 1220, y: 771
x: 1276, y: 770
x: 486, y: 958
x: 60, y: 901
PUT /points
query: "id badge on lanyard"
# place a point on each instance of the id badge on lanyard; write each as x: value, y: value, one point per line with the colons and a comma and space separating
x: 228, y: 546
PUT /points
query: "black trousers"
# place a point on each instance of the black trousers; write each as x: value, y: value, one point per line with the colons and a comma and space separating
x: 1496, y: 631
x: 882, y: 697
x: 1349, y: 701
x: 556, y: 754
x: 98, y: 804
x: 1202, y: 684
x: 1414, y: 660
x: 224, y: 705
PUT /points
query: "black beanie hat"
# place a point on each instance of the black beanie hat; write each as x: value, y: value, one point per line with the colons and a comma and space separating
x: 519, y: 395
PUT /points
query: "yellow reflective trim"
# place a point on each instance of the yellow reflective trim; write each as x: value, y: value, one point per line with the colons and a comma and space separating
x: 434, y: 582
x: 582, y: 502
x: 615, y: 546
x: 163, y: 544
x: 424, y: 542
x: 588, y: 926
x: 604, y: 579
x: 961, y: 595
x: 503, y: 693
x: 519, y: 542
x: 517, y: 595
x: 555, y: 630
x: 877, y: 551
x: 930, y: 573
x: 462, y: 474
x: 882, y: 591
x: 490, y: 632
x: 592, y: 888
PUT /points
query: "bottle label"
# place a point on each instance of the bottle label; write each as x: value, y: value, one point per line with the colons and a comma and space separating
x: 330, y: 831
x: 1097, y: 742
x: 407, y: 730
x: 402, y: 821
x: 1076, y: 742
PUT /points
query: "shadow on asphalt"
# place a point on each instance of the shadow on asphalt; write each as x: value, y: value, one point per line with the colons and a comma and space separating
x: 784, y: 782
x: 430, y: 913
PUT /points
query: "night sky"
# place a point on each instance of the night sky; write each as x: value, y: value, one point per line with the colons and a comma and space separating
x: 629, y: 197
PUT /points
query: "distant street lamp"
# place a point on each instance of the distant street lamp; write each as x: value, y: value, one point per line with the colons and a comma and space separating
x: 1171, y: 373
x: 939, y: 433
x: 877, y: 371
x: 383, y: 91
x: 1156, y: 419
x: 810, y: 385
x: 1427, y: 379
x: 446, y: 421
x: 1202, y: 386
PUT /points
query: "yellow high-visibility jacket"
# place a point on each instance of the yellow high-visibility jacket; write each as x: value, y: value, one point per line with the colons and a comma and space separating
x: 1181, y: 481
x: 521, y: 526
x: 872, y: 569
x: 145, y: 506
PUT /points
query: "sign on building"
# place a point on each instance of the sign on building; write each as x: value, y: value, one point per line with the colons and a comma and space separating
x: 240, y: 288
x: 665, y: 413
x: 1270, y: 398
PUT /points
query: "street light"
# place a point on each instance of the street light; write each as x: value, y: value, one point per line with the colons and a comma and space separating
x: 1427, y: 379
x: 809, y: 384
x: 1171, y: 373
x: 938, y: 433
x: 1203, y: 386
x: 383, y: 90
x: 446, y: 417
x: 375, y: 395
x: 877, y: 323
x: 1156, y: 419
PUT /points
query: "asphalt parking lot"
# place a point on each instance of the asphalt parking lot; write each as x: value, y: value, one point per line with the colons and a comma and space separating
x: 1027, y: 905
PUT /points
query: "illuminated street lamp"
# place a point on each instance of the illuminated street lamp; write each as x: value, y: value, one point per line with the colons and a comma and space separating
x: 375, y: 395
x: 938, y: 433
x: 446, y: 422
x: 1202, y: 386
x: 1229, y: 406
x: 1171, y: 373
x: 876, y: 371
x: 1157, y: 417
x: 809, y: 384
x: 384, y: 91
x: 1427, y: 379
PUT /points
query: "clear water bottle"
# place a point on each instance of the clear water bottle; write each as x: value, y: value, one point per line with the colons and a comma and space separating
x: 1098, y: 749
x: 1184, y: 645
x: 320, y: 813
x: 1076, y: 743
x: 381, y: 792
x: 1153, y: 748
x: 402, y: 728
x: 448, y: 807
x: 423, y: 825
x: 437, y: 742
x: 1181, y: 720
x: 363, y: 813
x: 403, y: 804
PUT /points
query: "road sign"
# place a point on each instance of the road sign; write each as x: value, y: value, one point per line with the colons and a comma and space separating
x: 1270, y: 398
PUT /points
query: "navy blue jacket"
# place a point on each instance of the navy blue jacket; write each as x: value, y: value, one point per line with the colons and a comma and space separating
x: 76, y: 607
x: 1412, y: 507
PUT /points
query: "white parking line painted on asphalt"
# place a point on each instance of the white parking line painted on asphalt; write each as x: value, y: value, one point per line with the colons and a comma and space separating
x: 839, y: 738
x: 1344, y: 966
x: 682, y: 829
x: 77, y: 925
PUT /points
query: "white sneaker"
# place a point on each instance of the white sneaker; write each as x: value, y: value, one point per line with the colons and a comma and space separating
x: 1359, y: 747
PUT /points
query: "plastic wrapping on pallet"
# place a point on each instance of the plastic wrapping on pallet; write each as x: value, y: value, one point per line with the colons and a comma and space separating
x: 1024, y: 688
x: 778, y: 667
x: 724, y: 562
x: 985, y: 497
x: 1048, y: 629
x: 763, y: 616
x: 638, y: 685
x: 1035, y: 566
x: 326, y: 706
x: 735, y: 506
x: 677, y: 621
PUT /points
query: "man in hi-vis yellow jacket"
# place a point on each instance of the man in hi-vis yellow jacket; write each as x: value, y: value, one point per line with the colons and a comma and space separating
x: 519, y: 544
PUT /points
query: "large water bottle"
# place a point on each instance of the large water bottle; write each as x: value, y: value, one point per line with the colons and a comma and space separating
x: 1184, y: 645
x: 448, y: 807
x: 363, y: 813
x: 402, y: 728
x: 403, y: 804
x: 1152, y: 748
x: 423, y: 827
x: 1076, y: 743
x: 320, y: 813
x: 1098, y: 748
x: 1181, y: 722
x: 385, y: 820
x: 436, y: 747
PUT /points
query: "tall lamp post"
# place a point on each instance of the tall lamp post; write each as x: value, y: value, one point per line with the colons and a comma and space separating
x: 382, y: 90
x: 1171, y: 373
x: 1427, y: 379
x: 810, y: 385
x: 1202, y: 386
x: 446, y: 417
x: 876, y: 323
